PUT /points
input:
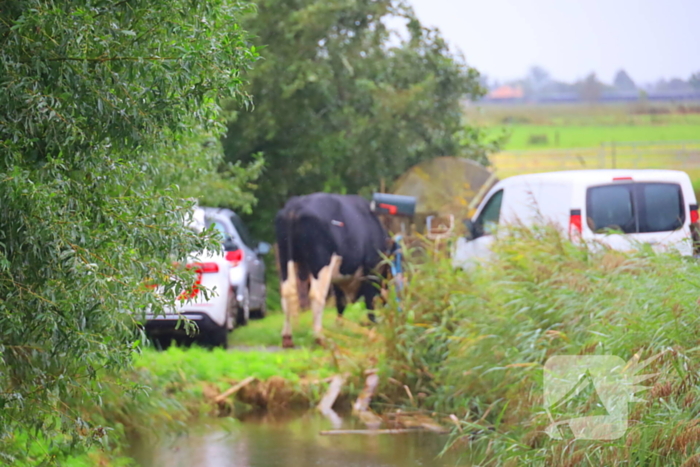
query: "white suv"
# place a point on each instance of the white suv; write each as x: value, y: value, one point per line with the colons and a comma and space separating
x: 214, y: 316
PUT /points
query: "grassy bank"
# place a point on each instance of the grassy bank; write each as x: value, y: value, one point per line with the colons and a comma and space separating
x: 474, y: 345
x: 166, y: 390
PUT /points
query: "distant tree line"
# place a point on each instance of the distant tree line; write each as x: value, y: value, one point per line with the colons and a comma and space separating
x: 540, y: 85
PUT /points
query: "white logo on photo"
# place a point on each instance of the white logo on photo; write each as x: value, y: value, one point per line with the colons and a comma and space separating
x: 608, y: 377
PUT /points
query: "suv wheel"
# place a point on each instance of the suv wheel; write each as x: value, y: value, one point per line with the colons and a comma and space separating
x: 243, y: 310
x: 218, y: 337
x: 259, y: 313
x: 231, y: 311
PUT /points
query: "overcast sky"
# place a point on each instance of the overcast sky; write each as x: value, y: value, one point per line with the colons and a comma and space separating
x: 650, y: 39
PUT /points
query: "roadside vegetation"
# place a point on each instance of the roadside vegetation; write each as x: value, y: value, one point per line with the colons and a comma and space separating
x: 472, y: 347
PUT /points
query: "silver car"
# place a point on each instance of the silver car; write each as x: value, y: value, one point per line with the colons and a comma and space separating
x: 247, y: 267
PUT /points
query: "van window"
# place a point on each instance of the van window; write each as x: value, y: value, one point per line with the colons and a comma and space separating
x: 488, y: 218
x: 635, y: 207
x: 663, y: 204
x: 610, y: 207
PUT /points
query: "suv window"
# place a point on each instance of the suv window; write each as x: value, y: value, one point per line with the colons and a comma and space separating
x: 635, y: 207
x: 221, y: 228
x: 489, y: 215
x: 242, y: 230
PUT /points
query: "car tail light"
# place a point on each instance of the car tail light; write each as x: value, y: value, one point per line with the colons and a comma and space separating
x: 575, y: 225
x: 621, y: 179
x: 207, y: 268
x: 204, y: 268
x: 694, y: 213
x: 234, y: 257
x: 200, y: 268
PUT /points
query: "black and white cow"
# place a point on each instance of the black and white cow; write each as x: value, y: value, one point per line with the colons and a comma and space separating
x: 334, y: 240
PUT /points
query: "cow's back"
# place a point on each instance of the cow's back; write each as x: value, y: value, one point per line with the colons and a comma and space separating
x: 331, y: 223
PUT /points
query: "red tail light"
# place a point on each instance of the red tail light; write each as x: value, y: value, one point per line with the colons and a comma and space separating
x: 200, y: 268
x: 575, y: 225
x: 234, y: 257
x: 204, y: 268
x: 620, y: 179
x: 694, y: 213
x: 207, y: 268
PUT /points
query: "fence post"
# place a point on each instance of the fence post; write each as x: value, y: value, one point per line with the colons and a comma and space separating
x: 601, y: 156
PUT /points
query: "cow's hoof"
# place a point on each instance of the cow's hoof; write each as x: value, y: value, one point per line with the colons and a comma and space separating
x: 287, y: 342
x: 320, y: 341
x: 372, y: 317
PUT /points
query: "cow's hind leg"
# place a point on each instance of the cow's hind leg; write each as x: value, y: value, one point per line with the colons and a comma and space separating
x: 319, y: 291
x: 369, y: 290
x: 290, y: 303
x: 341, y: 300
x: 340, y: 303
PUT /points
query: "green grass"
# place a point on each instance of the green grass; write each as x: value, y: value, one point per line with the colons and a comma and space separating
x: 268, y: 331
x: 594, y: 135
x: 220, y: 367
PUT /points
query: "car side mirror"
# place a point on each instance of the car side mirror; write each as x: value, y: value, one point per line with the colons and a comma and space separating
x: 263, y: 248
x: 471, y: 233
x: 230, y: 245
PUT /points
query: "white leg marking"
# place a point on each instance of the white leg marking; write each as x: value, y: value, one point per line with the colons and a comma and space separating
x: 290, y: 299
x: 319, y: 292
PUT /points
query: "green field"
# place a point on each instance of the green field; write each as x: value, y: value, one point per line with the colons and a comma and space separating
x: 583, y: 136
x: 583, y: 126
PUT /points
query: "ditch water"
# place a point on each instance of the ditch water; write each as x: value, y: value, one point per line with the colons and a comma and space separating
x: 267, y: 441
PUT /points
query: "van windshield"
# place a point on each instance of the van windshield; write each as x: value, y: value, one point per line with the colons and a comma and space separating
x: 635, y: 207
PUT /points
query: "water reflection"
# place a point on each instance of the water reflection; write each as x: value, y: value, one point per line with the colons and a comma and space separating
x: 268, y: 441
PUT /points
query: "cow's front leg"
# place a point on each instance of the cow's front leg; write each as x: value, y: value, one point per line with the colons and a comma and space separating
x: 319, y: 292
x: 290, y: 303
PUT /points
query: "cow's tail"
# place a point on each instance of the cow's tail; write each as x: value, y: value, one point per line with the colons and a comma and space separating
x: 290, y: 235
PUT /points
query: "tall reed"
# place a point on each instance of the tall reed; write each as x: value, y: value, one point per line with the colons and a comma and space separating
x: 473, y: 345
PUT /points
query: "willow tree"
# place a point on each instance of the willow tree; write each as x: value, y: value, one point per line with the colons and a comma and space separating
x: 342, y: 100
x: 99, y: 100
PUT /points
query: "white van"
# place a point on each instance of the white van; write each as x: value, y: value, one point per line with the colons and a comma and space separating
x: 649, y: 206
